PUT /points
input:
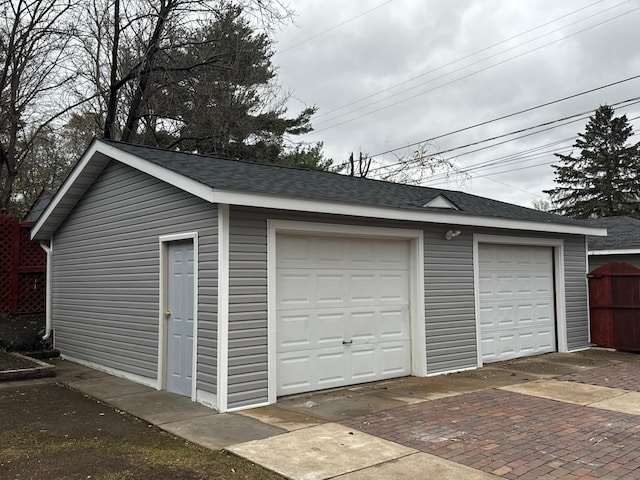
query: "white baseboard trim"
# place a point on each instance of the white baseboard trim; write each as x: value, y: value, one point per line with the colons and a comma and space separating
x: 149, y: 382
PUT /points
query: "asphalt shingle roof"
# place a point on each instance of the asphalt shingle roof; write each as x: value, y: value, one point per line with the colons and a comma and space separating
x: 623, y: 233
x: 245, y: 176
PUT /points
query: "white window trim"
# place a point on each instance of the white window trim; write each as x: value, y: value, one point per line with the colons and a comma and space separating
x: 163, y: 242
x: 416, y: 287
x: 559, y: 281
x: 223, y: 308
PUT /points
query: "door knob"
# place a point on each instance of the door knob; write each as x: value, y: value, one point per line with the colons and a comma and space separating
x: 344, y: 342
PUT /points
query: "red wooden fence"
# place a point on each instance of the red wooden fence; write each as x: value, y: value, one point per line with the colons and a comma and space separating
x: 614, y: 302
x: 22, y: 269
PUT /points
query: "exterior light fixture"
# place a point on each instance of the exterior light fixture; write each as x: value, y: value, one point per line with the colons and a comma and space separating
x: 451, y: 234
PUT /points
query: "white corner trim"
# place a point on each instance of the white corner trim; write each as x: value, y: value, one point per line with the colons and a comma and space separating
x: 416, y: 287
x: 622, y: 251
x: 559, y: 276
x: 272, y: 385
x: 280, y: 202
x: 163, y: 245
x: 113, y: 371
x: 48, y: 284
x: 223, y: 307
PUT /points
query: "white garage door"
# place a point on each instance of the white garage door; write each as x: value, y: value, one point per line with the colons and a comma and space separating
x: 516, y: 301
x: 342, y: 311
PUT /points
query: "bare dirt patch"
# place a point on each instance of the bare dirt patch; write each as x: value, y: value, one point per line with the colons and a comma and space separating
x: 22, y: 332
x: 49, y: 431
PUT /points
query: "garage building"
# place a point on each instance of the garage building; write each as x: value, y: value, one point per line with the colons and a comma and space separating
x: 234, y: 283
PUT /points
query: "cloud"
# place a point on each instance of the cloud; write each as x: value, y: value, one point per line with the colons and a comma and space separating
x: 404, y: 40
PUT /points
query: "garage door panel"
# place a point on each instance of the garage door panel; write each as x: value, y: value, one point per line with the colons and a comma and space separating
x: 331, y: 367
x: 348, y: 315
x: 516, y: 301
x: 296, y: 289
x: 330, y: 289
x: 394, y: 324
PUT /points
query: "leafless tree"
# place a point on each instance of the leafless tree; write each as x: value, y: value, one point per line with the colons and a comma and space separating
x: 125, y: 42
x: 36, y: 40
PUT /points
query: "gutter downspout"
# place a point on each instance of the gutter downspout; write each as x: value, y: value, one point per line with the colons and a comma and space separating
x: 49, y: 251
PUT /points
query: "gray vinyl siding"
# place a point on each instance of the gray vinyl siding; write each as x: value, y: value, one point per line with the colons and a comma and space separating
x: 247, y: 309
x: 577, y: 303
x: 450, y: 321
x: 106, y: 272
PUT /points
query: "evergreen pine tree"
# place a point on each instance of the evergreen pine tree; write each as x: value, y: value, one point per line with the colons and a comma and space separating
x: 603, y: 180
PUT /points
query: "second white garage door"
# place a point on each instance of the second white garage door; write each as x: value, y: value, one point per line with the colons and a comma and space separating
x: 342, y: 311
x: 516, y: 301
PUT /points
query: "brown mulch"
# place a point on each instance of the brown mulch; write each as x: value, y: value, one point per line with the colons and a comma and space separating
x: 12, y: 362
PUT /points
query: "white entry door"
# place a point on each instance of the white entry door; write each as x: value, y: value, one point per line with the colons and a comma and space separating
x: 342, y: 311
x: 517, y: 312
x: 180, y: 296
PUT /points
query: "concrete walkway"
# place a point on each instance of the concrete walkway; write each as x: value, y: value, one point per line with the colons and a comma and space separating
x: 382, y: 430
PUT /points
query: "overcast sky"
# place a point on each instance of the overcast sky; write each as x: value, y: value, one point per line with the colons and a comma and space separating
x: 387, y: 74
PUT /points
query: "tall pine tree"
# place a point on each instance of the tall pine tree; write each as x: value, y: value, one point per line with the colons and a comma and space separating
x: 604, y: 179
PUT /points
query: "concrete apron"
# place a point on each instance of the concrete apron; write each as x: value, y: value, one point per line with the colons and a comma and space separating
x: 298, y: 438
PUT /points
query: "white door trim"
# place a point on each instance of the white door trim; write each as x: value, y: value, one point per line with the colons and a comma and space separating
x: 416, y: 287
x: 558, y: 274
x: 163, y: 242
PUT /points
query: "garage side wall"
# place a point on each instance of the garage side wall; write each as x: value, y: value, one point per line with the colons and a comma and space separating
x: 106, y: 272
x: 577, y: 301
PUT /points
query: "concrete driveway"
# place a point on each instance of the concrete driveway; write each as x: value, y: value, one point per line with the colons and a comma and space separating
x: 564, y: 416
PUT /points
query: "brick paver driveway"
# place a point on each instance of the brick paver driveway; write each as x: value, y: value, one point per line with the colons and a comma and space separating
x: 625, y: 376
x: 521, y: 436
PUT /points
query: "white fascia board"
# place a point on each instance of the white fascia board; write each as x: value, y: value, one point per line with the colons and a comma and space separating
x: 66, y: 186
x: 627, y: 251
x: 97, y: 147
x: 161, y: 173
x: 262, y: 200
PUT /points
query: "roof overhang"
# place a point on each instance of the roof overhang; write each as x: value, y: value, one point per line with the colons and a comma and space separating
x: 298, y: 204
x: 99, y: 154
x: 622, y: 251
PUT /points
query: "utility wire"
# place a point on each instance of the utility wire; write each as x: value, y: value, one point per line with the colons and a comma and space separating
x: 503, y: 117
x: 470, y: 74
x: 331, y: 29
x: 461, y: 68
x: 323, y: 114
x: 581, y: 116
x: 441, y: 180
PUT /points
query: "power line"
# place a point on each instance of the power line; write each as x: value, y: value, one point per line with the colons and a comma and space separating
x: 503, y: 117
x: 319, y: 115
x: 460, y: 68
x: 470, y: 74
x: 441, y: 181
x: 313, y: 37
x: 571, y: 118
